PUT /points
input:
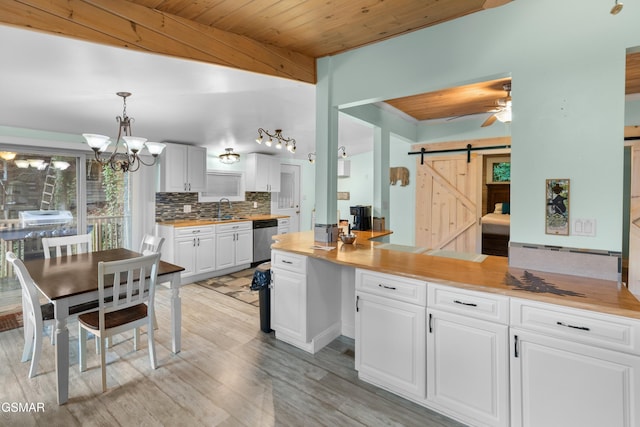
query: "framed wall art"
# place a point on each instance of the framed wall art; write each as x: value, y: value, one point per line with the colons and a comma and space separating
x: 557, y: 207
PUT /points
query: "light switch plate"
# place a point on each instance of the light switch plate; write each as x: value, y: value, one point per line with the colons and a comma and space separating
x: 584, y: 227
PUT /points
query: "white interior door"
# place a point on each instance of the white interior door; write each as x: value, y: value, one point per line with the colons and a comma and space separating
x: 634, y: 227
x: 287, y: 200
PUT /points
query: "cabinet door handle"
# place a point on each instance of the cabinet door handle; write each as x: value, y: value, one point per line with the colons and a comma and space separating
x: 195, y: 231
x: 194, y: 242
x: 198, y: 241
x: 393, y: 288
x: 284, y: 261
x: 357, y: 301
x: 430, y: 323
x: 515, y: 346
x: 185, y: 186
x: 470, y: 304
x: 189, y: 186
x: 582, y: 328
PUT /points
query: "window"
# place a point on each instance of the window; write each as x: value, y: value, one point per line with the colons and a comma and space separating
x: 44, y: 194
x: 229, y: 184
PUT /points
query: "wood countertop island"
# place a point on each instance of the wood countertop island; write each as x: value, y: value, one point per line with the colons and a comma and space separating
x: 201, y: 222
x: 492, y: 274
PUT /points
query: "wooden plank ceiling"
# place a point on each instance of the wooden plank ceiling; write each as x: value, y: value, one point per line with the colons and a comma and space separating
x: 280, y: 38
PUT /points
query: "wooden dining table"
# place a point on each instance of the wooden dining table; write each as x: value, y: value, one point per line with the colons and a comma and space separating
x: 71, y: 284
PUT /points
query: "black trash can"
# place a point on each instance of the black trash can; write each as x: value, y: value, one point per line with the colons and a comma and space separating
x: 260, y: 283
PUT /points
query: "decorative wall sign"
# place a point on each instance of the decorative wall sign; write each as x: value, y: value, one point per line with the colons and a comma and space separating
x: 557, y: 207
x: 343, y: 195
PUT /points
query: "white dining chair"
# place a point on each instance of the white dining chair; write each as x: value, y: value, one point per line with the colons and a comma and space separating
x: 34, y: 315
x: 67, y: 245
x: 128, y: 306
x: 151, y: 244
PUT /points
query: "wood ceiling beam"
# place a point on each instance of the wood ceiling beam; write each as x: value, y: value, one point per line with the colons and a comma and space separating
x: 125, y: 24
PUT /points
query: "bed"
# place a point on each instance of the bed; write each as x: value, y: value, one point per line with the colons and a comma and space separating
x: 496, y: 223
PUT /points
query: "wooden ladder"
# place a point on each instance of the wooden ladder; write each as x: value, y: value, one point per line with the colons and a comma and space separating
x: 48, y: 189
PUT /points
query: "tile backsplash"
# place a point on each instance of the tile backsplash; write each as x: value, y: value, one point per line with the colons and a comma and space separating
x: 170, y: 206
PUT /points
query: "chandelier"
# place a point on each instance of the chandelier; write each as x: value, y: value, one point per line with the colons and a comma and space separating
x: 229, y: 157
x: 127, y: 160
x: 290, y: 143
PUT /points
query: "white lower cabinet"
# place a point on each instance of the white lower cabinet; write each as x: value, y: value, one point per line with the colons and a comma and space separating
x: 190, y: 247
x: 234, y: 244
x: 573, y: 367
x: 390, y: 333
x: 561, y: 383
x: 467, y: 355
x: 288, y: 315
x: 468, y: 368
x: 195, y: 254
x: 305, y: 300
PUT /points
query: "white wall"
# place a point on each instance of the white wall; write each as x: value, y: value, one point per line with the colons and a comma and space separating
x: 567, y: 62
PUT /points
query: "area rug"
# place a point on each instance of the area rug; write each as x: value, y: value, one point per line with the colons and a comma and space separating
x: 10, y: 321
x: 236, y: 285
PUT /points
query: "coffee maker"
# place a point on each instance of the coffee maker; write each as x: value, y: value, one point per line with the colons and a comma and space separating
x: 361, y: 217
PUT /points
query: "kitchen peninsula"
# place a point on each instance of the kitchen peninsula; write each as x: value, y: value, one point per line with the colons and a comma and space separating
x: 476, y: 340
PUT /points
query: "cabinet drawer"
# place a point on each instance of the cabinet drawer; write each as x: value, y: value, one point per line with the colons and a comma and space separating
x: 192, y: 231
x: 289, y: 261
x: 589, y: 327
x: 233, y: 226
x: 481, y: 305
x: 396, y: 287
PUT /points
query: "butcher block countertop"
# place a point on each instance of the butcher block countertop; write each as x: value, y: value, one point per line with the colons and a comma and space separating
x: 201, y: 222
x: 491, y: 275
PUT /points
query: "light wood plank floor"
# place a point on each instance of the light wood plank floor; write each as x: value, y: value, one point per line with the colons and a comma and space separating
x: 229, y: 373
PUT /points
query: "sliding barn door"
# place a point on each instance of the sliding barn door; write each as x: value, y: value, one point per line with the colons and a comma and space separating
x: 447, y: 203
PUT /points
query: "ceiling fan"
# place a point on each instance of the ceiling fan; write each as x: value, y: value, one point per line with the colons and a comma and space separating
x: 502, y: 111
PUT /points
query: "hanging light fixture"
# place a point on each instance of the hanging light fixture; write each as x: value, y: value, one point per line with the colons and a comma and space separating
x: 128, y: 160
x: 7, y: 155
x: 312, y: 156
x: 229, y: 157
x: 617, y: 7
x: 290, y: 143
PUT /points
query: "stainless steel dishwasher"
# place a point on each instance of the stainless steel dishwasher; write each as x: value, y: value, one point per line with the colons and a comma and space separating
x: 263, y: 231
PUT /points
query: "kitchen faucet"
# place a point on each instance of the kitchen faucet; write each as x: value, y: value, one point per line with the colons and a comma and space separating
x: 220, y: 206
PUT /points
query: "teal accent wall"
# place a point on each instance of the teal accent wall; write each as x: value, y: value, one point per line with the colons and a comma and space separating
x: 567, y: 63
x: 402, y: 199
x: 359, y: 184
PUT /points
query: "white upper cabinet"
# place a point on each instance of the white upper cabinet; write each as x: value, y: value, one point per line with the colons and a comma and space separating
x: 262, y: 173
x: 183, y: 168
